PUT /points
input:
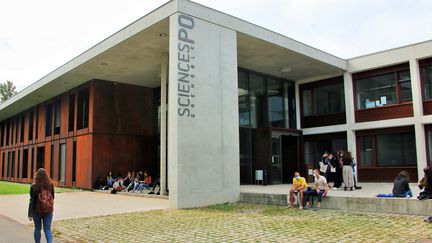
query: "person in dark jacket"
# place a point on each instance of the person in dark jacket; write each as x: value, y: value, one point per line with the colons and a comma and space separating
x: 425, y: 184
x: 400, y: 185
x: 338, y: 173
x: 42, y: 183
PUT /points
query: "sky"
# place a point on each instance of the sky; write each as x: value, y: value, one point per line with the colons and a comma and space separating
x: 36, y: 37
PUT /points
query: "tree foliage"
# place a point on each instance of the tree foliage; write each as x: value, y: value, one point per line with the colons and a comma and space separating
x: 7, y: 90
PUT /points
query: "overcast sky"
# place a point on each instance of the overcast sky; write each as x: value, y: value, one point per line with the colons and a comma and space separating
x: 37, y: 37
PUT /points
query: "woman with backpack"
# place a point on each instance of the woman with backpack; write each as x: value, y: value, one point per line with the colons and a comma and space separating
x: 41, y: 205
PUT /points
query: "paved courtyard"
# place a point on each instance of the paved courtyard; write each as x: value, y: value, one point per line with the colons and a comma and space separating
x: 245, y: 223
x: 70, y: 205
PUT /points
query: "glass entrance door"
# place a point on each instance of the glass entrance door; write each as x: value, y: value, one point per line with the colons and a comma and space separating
x: 276, y: 165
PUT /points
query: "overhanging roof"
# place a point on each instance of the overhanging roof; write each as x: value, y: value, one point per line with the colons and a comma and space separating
x: 133, y: 55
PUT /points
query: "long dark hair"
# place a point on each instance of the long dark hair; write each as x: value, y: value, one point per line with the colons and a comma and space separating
x: 42, y: 180
x: 428, y: 175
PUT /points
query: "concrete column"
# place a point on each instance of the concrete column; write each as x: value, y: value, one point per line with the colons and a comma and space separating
x: 418, y: 112
x: 203, y: 135
x: 163, y: 127
x: 350, y: 115
x: 297, y: 100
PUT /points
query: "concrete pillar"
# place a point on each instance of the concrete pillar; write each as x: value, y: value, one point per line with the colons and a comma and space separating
x: 349, y: 111
x: 203, y: 135
x: 297, y: 100
x: 163, y: 127
x: 350, y: 115
x: 418, y: 112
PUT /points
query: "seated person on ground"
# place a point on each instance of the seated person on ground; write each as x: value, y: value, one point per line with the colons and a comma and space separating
x: 138, y: 179
x: 400, y: 185
x: 425, y: 184
x: 110, y: 179
x: 117, y: 186
x: 132, y: 184
x: 127, y: 180
x: 156, y: 183
x: 146, y: 183
x: 299, y: 185
x: 320, y: 190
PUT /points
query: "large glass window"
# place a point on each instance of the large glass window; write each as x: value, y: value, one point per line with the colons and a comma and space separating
x: 366, y: 151
x: 275, y: 102
x: 387, y: 150
x: 323, y: 100
x: 62, y: 163
x: 383, y: 89
x: 314, y: 146
x: 57, y: 116
x: 427, y: 81
x: 48, y: 120
x: 83, y: 109
x: 265, y: 101
x: 257, y: 100
x: 243, y: 96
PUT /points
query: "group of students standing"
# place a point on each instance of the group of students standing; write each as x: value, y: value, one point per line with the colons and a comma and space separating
x: 340, y: 168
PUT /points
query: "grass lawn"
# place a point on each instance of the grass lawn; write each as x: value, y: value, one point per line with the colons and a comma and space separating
x: 8, y: 188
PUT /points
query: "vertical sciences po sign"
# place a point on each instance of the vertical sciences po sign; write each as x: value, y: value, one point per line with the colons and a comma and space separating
x: 186, y: 66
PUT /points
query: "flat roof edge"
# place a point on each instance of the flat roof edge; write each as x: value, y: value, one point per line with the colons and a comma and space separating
x: 128, y: 31
x: 228, y: 21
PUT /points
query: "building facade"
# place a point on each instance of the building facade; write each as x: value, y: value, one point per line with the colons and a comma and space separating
x: 203, y: 100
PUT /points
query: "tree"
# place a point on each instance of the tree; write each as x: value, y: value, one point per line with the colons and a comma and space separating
x: 7, y: 90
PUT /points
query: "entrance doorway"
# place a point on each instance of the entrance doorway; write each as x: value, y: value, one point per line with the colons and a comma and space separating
x: 285, y: 157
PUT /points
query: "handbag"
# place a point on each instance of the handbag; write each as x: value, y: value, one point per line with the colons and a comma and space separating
x: 323, y: 167
x: 332, y: 169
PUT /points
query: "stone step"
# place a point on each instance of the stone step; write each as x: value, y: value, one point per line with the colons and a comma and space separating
x: 362, y: 204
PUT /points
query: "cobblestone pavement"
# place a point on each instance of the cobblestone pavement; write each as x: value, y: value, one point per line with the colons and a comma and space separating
x: 245, y: 223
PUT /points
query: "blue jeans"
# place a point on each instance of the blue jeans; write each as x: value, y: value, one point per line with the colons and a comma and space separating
x: 142, y: 185
x: 407, y: 194
x: 46, y: 221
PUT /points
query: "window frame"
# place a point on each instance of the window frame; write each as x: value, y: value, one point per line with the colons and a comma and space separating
x: 421, y: 64
x: 374, y: 133
x: 395, y: 70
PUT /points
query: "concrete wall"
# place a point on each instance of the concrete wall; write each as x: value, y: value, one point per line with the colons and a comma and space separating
x: 203, y: 144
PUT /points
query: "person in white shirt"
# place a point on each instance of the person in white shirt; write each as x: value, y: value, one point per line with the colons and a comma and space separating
x: 320, y: 190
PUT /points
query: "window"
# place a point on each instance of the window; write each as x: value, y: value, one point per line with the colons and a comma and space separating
x: 265, y: 101
x: 16, y: 129
x: 74, y: 151
x: 383, y: 87
x: 315, y: 145
x: 395, y: 149
x: 62, y: 163
x: 257, y: 100
x: 48, y: 120
x: 19, y: 163
x: 57, y: 116
x: 7, y: 130
x: 22, y: 128
x: 426, y: 72
x: 83, y: 109
x: 2, y: 132
x: 275, y: 102
x: 243, y: 99
x: 52, y: 162
x: 323, y: 100
x: 37, y: 124
x: 31, y: 120
x: 25, y: 163
x: 71, y: 112
x: 31, y: 163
